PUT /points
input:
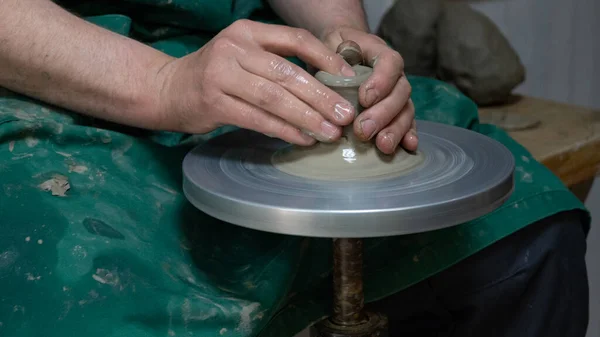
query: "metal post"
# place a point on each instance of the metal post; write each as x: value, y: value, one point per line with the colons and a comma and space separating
x: 348, y: 297
x: 349, y: 318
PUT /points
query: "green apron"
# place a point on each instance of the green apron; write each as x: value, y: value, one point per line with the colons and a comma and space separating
x: 123, y: 253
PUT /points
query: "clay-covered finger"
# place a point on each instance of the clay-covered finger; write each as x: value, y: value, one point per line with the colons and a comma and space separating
x: 290, y: 41
x: 278, y: 101
x: 388, y: 138
x: 387, y: 64
x: 388, y: 67
x: 377, y: 117
x: 247, y: 116
x: 332, y: 106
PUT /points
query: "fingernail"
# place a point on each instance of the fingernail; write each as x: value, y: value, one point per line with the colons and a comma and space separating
x: 388, y: 138
x: 413, y: 134
x: 371, y: 96
x: 329, y: 131
x: 343, y: 111
x: 347, y: 70
x: 368, y: 127
x: 307, y: 137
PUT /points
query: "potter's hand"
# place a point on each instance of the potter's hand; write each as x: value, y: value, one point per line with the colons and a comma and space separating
x: 240, y: 78
x: 389, y: 111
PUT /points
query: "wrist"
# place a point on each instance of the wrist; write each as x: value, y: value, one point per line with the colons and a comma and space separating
x: 321, y: 17
x: 154, y: 103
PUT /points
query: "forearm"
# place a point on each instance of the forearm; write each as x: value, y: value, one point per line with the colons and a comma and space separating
x: 52, y: 55
x: 320, y: 17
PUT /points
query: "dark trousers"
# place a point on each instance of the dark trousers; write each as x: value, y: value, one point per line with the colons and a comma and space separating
x: 530, y: 284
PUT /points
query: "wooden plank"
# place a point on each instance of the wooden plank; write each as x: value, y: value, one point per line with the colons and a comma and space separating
x: 567, y: 140
x: 582, y: 190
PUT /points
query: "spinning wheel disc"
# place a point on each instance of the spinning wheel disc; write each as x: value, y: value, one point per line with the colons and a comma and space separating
x: 463, y: 175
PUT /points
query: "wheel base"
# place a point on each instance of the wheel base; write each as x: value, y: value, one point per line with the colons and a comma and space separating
x: 376, y: 325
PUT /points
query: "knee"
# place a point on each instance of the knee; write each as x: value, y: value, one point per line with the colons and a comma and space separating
x: 560, y: 235
x: 551, y: 246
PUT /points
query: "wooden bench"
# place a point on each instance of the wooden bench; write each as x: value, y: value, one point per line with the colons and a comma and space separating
x: 566, y: 139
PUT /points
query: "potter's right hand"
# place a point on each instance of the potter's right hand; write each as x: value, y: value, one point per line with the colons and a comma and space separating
x: 241, y: 78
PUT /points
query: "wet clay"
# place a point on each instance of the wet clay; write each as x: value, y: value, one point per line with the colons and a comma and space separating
x: 349, y: 158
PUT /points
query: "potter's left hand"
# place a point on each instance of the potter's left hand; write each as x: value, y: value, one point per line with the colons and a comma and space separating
x: 389, y: 112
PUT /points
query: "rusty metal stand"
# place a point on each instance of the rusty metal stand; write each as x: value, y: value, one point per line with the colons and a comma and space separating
x: 349, y: 318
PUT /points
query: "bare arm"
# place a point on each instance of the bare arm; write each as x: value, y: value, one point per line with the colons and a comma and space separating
x: 321, y: 17
x: 49, y: 54
x: 52, y: 55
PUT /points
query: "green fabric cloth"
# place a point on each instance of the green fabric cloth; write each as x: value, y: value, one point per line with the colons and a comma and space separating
x: 124, y: 254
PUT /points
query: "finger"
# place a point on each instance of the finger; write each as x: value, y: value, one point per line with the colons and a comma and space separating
x: 333, y: 40
x: 372, y: 120
x: 331, y: 105
x: 274, y: 99
x: 247, y: 116
x: 388, y: 67
x: 290, y: 41
x: 387, y: 64
x: 388, y: 139
x: 410, y: 141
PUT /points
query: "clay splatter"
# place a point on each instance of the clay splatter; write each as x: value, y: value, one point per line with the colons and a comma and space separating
x: 245, y: 317
x: 106, y: 138
x: 66, y: 308
x: 79, y: 252
x: 78, y: 169
x: 31, y: 142
x: 186, y: 311
x: 8, y: 258
x: 203, y: 316
x: 63, y: 154
x: 106, y: 277
x: 31, y: 277
x: 525, y: 176
x: 165, y: 188
x: 120, y: 151
x: 58, y: 185
x: 22, y: 156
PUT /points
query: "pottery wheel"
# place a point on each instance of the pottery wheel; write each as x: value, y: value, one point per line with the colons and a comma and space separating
x: 456, y: 175
x: 349, y: 189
